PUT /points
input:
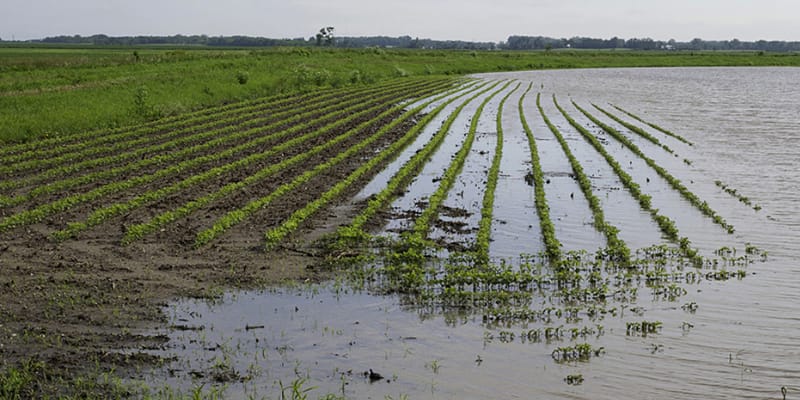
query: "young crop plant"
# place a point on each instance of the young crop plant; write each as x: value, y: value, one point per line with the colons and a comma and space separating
x: 674, y: 182
x: 423, y: 222
x: 185, y: 124
x: 578, y: 352
x: 138, y: 231
x: 665, y: 224
x: 733, y: 192
x: 635, y: 129
x: 551, y: 243
x: 485, y: 224
x: 412, y: 167
x: 654, y: 126
x: 237, y: 216
x: 38, y: 213
x: 228, y: 132
x: 617, y: 249
x: 219, y: 138
x: 275, y: 235
x: 296, y: 122
x: 98, y: 136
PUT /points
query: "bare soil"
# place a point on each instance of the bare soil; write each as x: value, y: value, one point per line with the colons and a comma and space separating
x: 90, y: 303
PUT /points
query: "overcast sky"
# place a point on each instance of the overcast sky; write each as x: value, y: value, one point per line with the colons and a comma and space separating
x: 474, y: 20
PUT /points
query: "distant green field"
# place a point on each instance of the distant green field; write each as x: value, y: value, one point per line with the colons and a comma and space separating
x: 49, y: 91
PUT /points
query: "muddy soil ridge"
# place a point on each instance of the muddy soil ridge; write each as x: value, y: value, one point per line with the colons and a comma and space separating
x: 88, y: 302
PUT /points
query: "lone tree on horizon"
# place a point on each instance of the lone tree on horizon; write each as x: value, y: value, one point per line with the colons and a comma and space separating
x: 325, y: 36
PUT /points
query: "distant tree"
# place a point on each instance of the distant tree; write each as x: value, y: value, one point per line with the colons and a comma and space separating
x: 325, y: 36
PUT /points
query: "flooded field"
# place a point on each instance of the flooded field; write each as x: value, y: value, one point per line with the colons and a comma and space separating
x: 713, y: 319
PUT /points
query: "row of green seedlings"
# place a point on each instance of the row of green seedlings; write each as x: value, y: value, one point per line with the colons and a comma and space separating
x: 733, y: 192
x: 404, y: 269
x: 409, y: 263
x: 274, y: 236
x: 643, y: 328
x: 552, y: 245
x: 578, y: 352
x: 502, y: 290
x: 641, y: 132
x: 562, y: 282
x: 169, y: 122
x: 616, y: 249
x: 572, y: 314
x: 485, y: 225
x: 665, y: 224
x: 547, y: 335
x: 298, y: 117
x: 138, y: 231
x: 146, y: 134
x: 654, y: 126
x: 423, y: 223
x: 353, y: 233
x: 252, y: 138
x: 635, y: 129
x: 177, y: 139
x: 674, y: 182
x: 751, y: 251
x: 117, y: 209
x: 97, y: 136
x: 464, y: 281
x: 36, y: 214
x: 103, y: 135
x: 658, y: 280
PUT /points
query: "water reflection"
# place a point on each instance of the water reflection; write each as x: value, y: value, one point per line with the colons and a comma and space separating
x: 732, y: 339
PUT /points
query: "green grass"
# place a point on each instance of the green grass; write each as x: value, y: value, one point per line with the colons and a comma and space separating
x: 49, y: 92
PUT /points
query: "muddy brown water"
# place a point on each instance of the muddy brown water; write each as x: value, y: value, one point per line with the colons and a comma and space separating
x: 740, y: 342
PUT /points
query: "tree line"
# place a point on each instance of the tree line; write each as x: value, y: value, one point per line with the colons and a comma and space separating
x: 512, y: 43
x: 544, y: 43
x: 323, y: 38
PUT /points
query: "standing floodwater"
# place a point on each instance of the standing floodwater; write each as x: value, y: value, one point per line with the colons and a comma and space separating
x: 706, y: 335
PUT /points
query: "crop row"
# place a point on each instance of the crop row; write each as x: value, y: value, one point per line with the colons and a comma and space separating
x: 275, y: 235
x: 104, y: 135
x: 733, y: 192
x: 666, y: 225
x: 635, y: 129
x: 617, y: 249
x: 214, y: 144
x: 423, y: 222
x: 654, y: 126
x: 137, y: 133
x: 551, y: 243
x: 674, y: 182
x: 113, y: 210
x: 293, y: 115
x: 37, y: 213
x: 232, y: 218
x: 485, y: 224
x: 410, y: 169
